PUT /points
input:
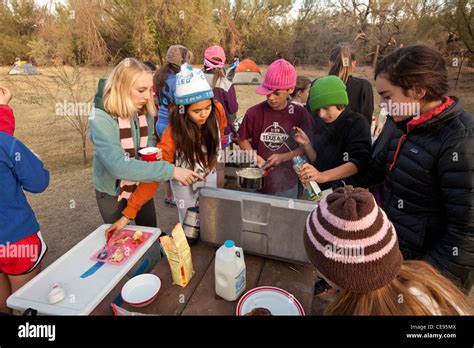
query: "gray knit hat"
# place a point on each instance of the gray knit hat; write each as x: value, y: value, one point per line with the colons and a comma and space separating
x: 175, y: 55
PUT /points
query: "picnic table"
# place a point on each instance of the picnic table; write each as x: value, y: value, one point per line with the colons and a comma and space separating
x: 199, y: 296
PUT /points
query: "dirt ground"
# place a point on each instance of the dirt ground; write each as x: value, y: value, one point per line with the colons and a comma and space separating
x: 67, y: 210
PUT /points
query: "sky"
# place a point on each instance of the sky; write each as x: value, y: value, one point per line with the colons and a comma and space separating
x: 47, y: 2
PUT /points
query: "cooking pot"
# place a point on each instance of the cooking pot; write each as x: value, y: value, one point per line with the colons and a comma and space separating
x: 252, y: 178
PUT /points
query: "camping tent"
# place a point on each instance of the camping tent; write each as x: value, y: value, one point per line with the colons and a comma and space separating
x: 21, y: 67
x: 247, y: 73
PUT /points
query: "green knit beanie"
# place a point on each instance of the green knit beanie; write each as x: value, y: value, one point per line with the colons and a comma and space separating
x: 327, y: 91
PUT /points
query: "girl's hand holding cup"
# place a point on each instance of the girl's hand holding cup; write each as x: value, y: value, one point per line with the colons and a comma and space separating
x: 151, y: 154
x: 159, y: 155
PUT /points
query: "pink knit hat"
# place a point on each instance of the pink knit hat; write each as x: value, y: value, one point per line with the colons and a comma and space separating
x: 210, y: 54
x: 351, y: 241
x: 280, y: 75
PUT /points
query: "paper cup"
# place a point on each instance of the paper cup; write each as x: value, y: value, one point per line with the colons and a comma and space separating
x: 148, y: 154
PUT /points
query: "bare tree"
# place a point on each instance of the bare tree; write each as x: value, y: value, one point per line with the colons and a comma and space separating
x: 459, y: 20
x: 66, y: 93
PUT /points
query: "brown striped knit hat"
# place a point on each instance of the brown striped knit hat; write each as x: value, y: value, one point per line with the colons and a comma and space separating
x: 351, y: 241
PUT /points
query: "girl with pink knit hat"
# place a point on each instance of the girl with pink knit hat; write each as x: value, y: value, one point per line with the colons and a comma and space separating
x: 354, y: 246
x: 267, y: 127
x: 224, y: 92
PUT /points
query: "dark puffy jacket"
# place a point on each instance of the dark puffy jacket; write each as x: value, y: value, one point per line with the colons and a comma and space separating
x: 428, y: 169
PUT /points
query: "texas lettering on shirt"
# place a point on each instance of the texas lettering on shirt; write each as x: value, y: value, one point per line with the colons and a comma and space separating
x: 274, y: 136
x: 269, y: 132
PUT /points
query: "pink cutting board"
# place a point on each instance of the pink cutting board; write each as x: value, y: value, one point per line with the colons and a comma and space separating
x: 121, y: 242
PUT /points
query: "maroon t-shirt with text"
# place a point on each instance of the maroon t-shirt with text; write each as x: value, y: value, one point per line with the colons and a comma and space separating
x: 267, y: 130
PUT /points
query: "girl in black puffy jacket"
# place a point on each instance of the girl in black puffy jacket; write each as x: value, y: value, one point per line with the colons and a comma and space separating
x: 427, y: 166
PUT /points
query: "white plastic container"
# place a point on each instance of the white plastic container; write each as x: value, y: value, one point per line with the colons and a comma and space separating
x: 230, y: 271
x: 82, y: 295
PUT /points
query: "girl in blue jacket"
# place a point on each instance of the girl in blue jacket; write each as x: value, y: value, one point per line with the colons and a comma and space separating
x: 164, y: 83
x: 21, y: 245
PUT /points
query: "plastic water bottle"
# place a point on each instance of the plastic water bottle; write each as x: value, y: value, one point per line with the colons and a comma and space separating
x: 311, y: 189
x: 230, y: 271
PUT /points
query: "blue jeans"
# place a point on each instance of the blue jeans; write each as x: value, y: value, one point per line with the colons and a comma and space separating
x: 291, y: 193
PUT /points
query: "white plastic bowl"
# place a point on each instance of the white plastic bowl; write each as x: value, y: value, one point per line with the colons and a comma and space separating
x: 141, y: 290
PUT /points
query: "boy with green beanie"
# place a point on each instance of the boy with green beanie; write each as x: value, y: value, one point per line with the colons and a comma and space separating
x: 340, y: 149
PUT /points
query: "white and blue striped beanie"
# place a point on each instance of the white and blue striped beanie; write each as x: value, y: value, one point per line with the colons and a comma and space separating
x: 191, y: 86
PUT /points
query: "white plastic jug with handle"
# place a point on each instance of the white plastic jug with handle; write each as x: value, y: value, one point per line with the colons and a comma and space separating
x: 230, y: 271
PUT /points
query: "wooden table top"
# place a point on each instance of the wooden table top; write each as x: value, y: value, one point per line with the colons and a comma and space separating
x: 199, y: 296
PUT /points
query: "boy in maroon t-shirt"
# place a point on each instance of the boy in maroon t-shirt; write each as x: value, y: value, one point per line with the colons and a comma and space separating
x: 266, y: 127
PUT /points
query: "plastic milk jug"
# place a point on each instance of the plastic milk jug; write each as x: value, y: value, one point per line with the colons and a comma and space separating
x: 230, y: 271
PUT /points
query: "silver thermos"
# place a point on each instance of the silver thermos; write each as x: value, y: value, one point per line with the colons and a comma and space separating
x: 191, y: 224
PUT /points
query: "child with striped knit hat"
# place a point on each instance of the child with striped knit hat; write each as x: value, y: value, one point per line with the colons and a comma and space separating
x: 354, y: 247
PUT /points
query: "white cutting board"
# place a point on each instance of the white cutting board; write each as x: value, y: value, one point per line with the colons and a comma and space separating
x: 82, y: 294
